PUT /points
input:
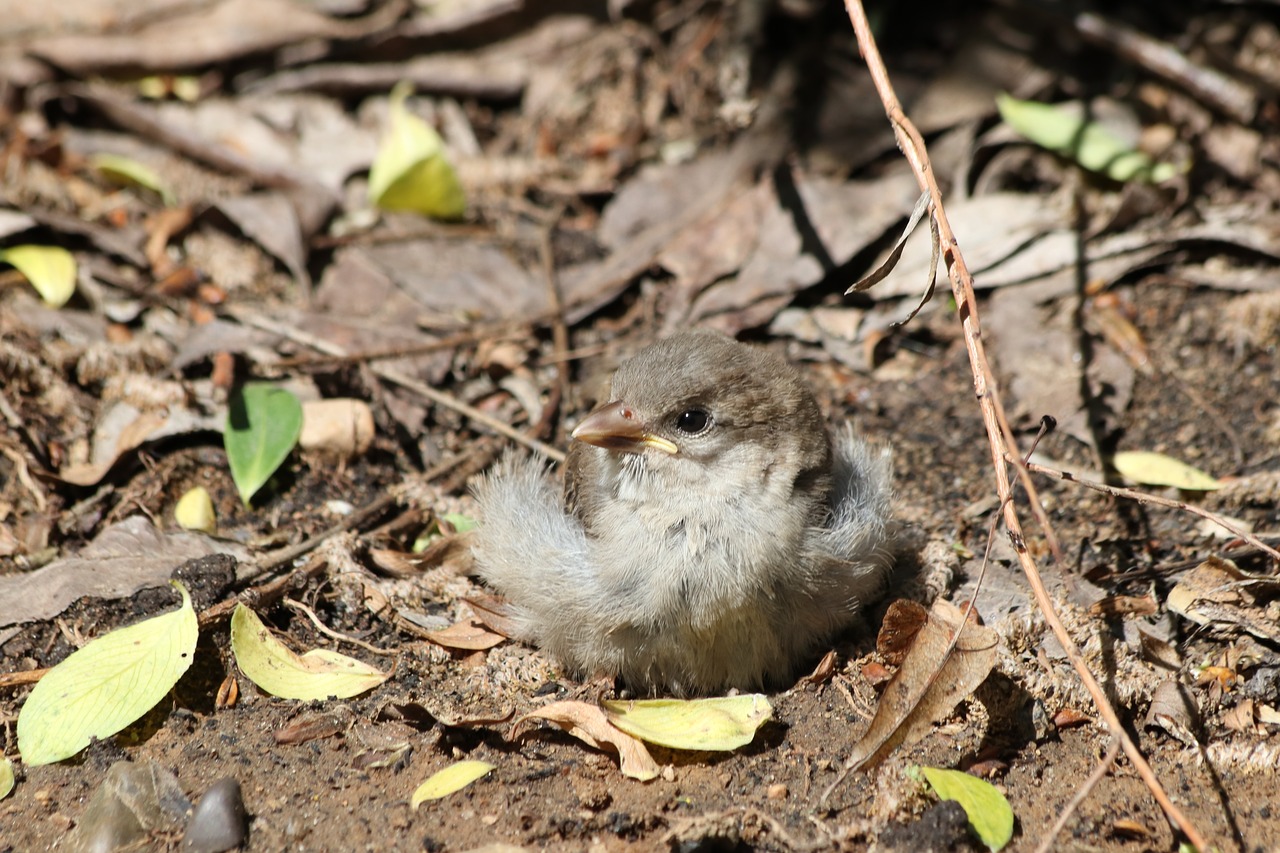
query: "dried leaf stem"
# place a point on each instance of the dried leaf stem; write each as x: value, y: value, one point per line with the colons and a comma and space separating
x: 1001, y: 443
x: 1144, y: 498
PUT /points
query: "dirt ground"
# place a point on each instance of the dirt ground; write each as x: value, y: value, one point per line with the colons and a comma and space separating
x: 1199, y: 380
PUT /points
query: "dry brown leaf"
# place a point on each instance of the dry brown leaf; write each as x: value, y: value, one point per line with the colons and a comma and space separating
x: 494, y: 612
x: 1121, y: 605
x: 1240, y: 718
x: 1120, y: 332
x: 1159, y: 651
x: 929, y: 683
x: 1069, y: 718
x: 315, y: 726
x: 589, y: 724
x: 1267, y: 715
x: 123, y: 559
x: 1130, y: 829
x: 823, y: 672
x: 902, y: 621
x: 139, y: 430
x: 1218, y: 594
x: 1173, y: 710
x: 469, y: 635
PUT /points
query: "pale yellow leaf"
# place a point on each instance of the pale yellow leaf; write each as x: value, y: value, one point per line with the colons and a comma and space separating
x: 50, y: 269
x: 194, y: 511
x: 453, y: 778
x: 988, y: 811
x: 318, y: 674
x: 721, y: 724
x: 410, y: 171
x: 1156, y: 469
x: 106, y: 685
x: 129, y: 172
x: 6, y: 777
x: 1072, y: 134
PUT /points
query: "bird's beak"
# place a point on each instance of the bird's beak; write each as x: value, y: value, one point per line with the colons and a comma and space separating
x: 615, y: 426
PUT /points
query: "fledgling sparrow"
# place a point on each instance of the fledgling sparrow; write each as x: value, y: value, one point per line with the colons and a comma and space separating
x: 711, y: 534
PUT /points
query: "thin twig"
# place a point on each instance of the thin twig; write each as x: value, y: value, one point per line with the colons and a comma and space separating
x: 329, y: 632
x: 1170, y: 63
x: 408, y: 382
x: 470, y: 336
x: 1144, y: 498
x: 1047, y: 843
x: 290, y: 553
x: 264, y: 593
x: 21, y: 677
x: 1000, y: 443
x: 559, y: 328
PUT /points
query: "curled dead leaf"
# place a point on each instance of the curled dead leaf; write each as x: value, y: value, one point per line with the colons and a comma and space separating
x: 902, y: 621
x: 494, y: 612
x: 469, y: 635
x: 589, y: 724
x: 1173, y: 709
x: 929, y: 683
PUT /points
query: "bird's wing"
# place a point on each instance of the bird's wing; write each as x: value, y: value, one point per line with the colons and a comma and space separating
x: 581, y: 466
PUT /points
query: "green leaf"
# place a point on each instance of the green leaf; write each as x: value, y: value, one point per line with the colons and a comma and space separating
x: 106, y: 685
x: 1090, y: 144
x: 990, y: 816
x: 128, y: 172
x: 318, y: 674
x: 460, y: 523
x: 263, y: 425
x: 6, y: 777
x: 720, y: 724
x: 411, y: 172
x: 50, y: 269
x: 1156, y: 469
x: 453, y: 778
x: 194, y: 511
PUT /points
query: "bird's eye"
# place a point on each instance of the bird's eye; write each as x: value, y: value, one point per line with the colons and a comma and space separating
x: 692, y: 421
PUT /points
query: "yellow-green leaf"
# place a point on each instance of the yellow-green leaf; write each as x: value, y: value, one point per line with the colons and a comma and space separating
x: 6, y: 777
x: 106, y: 685
x: 1156, y: 469
x: 50, y: 269
x: 719, y: 724
x: 460, y: 523
x: 263, y: 425
x: 318, y: 674
x: 194, y: 511
x: 990, y: 815
x: 453, y: 778
x: 411, y: 172
x: 184, y: 87
x: 129, y: 172
x: 1088, y: 143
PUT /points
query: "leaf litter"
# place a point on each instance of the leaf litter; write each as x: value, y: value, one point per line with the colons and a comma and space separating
x: 266, y: 155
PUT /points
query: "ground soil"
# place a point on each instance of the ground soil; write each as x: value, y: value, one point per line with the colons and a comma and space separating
x: 1207, y: 392
x: 552, y: 792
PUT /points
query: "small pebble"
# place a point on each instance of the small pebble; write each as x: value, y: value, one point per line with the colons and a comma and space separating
x: 219, y: 821
x: 777, y: 792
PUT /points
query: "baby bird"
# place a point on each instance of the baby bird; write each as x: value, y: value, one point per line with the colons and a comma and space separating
x: 711, y: 534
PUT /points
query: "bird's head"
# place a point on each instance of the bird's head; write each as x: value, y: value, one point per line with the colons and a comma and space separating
x: 705, y: 404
